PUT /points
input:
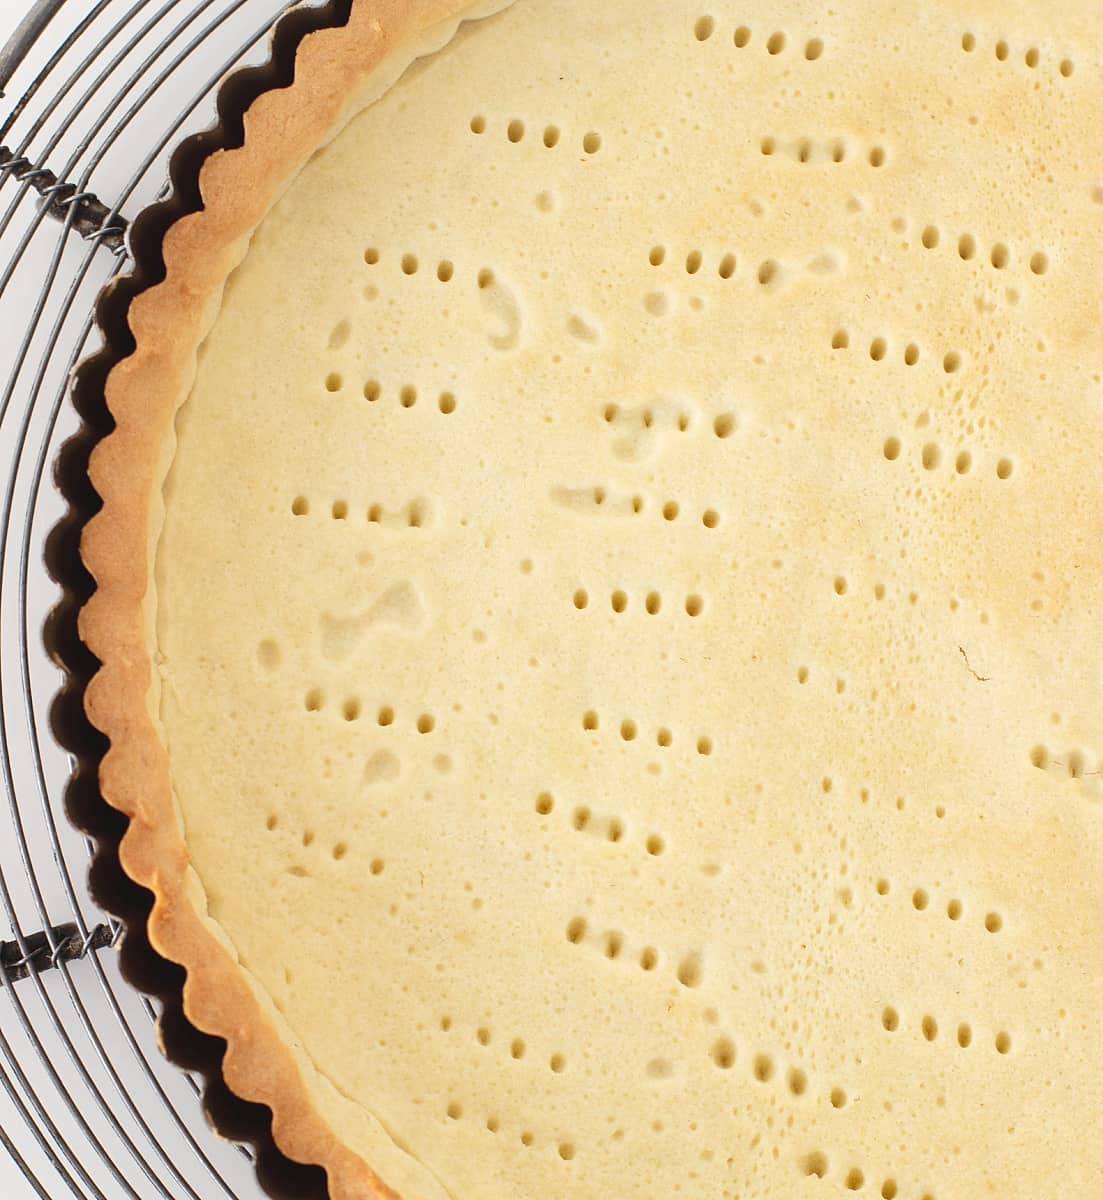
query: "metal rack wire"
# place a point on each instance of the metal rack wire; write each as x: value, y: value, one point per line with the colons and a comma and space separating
x: 93, y: 96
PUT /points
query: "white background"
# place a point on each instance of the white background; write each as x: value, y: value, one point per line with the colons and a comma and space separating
x: 12, y: 1186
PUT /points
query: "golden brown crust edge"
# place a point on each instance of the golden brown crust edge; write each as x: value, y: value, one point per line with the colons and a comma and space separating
x: 168, y: 321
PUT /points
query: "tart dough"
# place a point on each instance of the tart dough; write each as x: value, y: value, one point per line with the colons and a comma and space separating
x: 626, y: 606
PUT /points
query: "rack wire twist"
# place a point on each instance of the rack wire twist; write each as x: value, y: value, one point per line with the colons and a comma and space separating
x: 93, y: 96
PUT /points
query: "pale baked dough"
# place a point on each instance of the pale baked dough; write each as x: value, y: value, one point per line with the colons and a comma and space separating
x: 782, y: 321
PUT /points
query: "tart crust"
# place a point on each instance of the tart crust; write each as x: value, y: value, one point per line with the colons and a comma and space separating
x: 981, y: 690
x: 338, y: 72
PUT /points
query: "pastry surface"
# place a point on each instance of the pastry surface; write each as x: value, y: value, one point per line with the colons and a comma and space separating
x: 628, y: 607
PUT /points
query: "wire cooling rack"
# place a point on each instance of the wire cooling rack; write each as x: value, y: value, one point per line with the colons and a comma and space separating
x: 93, y: 96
